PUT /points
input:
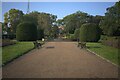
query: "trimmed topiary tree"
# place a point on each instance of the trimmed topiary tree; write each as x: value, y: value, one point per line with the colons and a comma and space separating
x: 26, y: 31
x: 89, y: 32
x: 76, y: 33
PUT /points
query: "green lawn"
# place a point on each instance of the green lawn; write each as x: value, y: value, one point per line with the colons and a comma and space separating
x: 107, y: 52
x: 13, y: 51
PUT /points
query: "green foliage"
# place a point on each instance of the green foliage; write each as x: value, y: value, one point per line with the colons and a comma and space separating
x: 111, y: 21
x: 40, y: 34
x: 45, y: 22
x: 71, y: 37
x: 94, y: 19
x: 74, y: 21
x: 55, y: 31
x: 89, y: 32
x: 26, y: 32
x: 12, y: 17
x: 76, y: 33
x: 31, y: 17
x: 112, y: 41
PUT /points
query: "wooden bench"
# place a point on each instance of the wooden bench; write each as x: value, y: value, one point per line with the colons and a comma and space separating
x: 37, y: 44
x: 82, y: 44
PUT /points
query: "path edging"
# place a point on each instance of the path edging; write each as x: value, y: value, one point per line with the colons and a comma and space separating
x: 102, y: 57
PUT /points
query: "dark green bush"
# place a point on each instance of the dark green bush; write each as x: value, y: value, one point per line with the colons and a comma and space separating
x: 40, y: 34
x: 76, y: 33
x: 26, y: 31
x: 72, y: 37
x: 89, y: 32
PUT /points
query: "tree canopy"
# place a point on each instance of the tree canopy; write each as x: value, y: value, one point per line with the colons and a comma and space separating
x: 43, y: 21
x: 76, y: 20
x: 111, y: 21
x: 11, y: 19
x: 48, y: 26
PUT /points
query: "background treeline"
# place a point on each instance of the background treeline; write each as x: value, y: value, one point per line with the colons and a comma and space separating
x: 88, y: 28
x: 45, y: 23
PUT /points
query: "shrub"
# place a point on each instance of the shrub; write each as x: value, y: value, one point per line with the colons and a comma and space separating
x: 76, y: 34
x: 89, y: 32
x: 72, y: 37
x: 26, y: 31
x: 40, y: 34
x: 111, y: 41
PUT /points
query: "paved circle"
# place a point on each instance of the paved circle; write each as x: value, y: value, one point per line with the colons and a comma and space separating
x: 60, y: 60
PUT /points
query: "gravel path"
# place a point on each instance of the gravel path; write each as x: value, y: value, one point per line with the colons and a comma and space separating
x: 60, y: 60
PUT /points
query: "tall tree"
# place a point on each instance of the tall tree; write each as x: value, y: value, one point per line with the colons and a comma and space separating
x: 12, y: 19
x: 111, y: 21
x: 74, y: 21
x: 31, y: 17
x: 45, y: 22
x: 55, y: 31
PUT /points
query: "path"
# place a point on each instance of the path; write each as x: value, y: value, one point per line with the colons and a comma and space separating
x: 59, y: 60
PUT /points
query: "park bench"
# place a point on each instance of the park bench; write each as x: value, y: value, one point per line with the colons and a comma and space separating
x: 82, y: 44
x: 37, y: 44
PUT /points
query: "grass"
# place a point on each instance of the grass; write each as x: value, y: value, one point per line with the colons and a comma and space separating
x: 13, y: 51
x: 107, y: 52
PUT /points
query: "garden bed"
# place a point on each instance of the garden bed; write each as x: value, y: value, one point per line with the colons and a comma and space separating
x: 111, y: 41
x: 7, y: 42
